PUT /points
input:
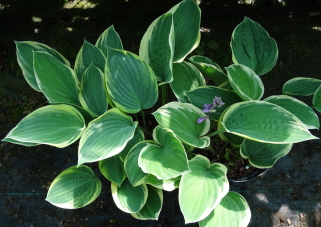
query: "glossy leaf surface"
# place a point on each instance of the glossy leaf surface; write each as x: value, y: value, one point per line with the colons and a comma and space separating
x: 109, y: 38
x: 113, y: 169
x: 301, y: 86
x: 138, y: 137
x: 166, y: 184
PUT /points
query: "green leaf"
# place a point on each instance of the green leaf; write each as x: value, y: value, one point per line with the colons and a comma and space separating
x: 138, y: 137
x: 301, y: 110
x: 206, y: 94
x: 186, y: 78
x: 209, y: 68
x: 134, y: 173
x: 128, y: 198
x: 157, y: 47
x: 233, y: 211
x: 166, y: 184
x: 264, y: 122
x: 245, y: 82
x: 131, y: 83
x: 182, y: 118
x: 93, y: 94
x: 55, y: 125
x: 187, y: 19
x: 20, y: 143
x: 87, y: 55
x: 56, y: 80
x: 263, y: 155
x: 74, y: 188
x: 113, y: 169
x: 166, y: 159
x: 202, y: 189
x: 252, y: 46
x: 109, y: 38
x: 317, y: 99
x: 105, y: 136
x: 153, y: 205
x: 301, y: 86
x: 25, y: 59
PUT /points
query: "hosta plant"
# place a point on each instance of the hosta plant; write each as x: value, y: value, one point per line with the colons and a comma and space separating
x: 117, y: 106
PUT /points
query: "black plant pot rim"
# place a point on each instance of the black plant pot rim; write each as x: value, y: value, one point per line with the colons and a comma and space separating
x: 256, y: 174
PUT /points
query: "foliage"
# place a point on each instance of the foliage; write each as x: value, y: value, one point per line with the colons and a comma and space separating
x: 96, y: 100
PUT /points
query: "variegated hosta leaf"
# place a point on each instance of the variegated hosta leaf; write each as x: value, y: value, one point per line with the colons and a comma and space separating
x: 109, y: 38
x: 206, y: 94
x: 25, y: 59
x: 55, y: 125
x: 182, y: 118
x: 105, y: 136
x: 265, y: 122
x: 131, y: 83
x: 298, y: 108
x: 87, y: 55
x: 263, y: 155
x: 75, y: 187
x: 153, y: 205
x: 93, y: 94
x: 166, y: 184
x: 138, y: 137
x: 202, y: 189
x: 187, y: 19
x: 26, y: 144
x: 252, y: 46
x: 113, y: 169
x: 166, y: 159
x: 157, y: 47
x: 301, y: 86
x: 56, y: 80
x: 186, y: 78
x: 128, y: 198
x: 245, y: 82
x: 209, y: 68
x: 317, y: 99
x: 233, y: 211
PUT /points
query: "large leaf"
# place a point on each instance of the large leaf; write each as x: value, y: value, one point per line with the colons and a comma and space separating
x: 166, y: 184
x: 298, y: 108
x: 138, y: 137
x: 25, y: 59
x: 153, y: 205
x: 87, y: 55
x: 263, y: 155
x: 245, y: 82
x: 105, y: 136
x: 109, y: 38
x: 56, y: 125
x: 264, y: 122
x: 209, y: 68
x: 186, y: 78
x: 131, y: 83
x: 56, y: 80
x: 252, y: 46
x: 93, y: 94
x: 202, y: 189
x: 206, y: 94
x: 157, y: 47
x: 233, y: 211
x: 75, y: 187
x: 301, y: 86
x: 113, y: 169
x: 128, y: 198
x: 317, y: 99
x: 182, y: 118
x: 187, y: 19
x: 166, y: 159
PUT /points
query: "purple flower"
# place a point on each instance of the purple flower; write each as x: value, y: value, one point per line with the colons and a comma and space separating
x: 211, y: 108
x: 200, y: 120
x: 217, y: 102
x: 207, y: 108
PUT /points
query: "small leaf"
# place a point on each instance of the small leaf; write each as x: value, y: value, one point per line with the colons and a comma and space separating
x: 113, y: 169
x: 301, y: 86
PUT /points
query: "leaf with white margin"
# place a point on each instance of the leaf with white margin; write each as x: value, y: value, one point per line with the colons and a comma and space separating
x: 182, y: 118
x: 109, y: 38
x: 138, y: 137
x: 317, y: 99
x: 74, y: 188
x: 167, y: 158
x: 166, y: 184
x: 55, y: 125
x: 263, y: 155
x: 202, y: 189
x: 153, y: 205
x: 128, y: 198
x: 301, y: 86
x: 233, y: 211
x: 105, y: 136
x: 245, y: 82
x: 157, y: 47
x: 113, y: 169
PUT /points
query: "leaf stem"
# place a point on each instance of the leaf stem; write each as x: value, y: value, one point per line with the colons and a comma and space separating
x: 145, y: 130
x: 143, y: 115
x: 164, y: 94
x: 216, y: 133
x: 212, y: 150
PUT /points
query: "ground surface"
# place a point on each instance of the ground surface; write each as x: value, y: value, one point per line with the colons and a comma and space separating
x: 289, y: 194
